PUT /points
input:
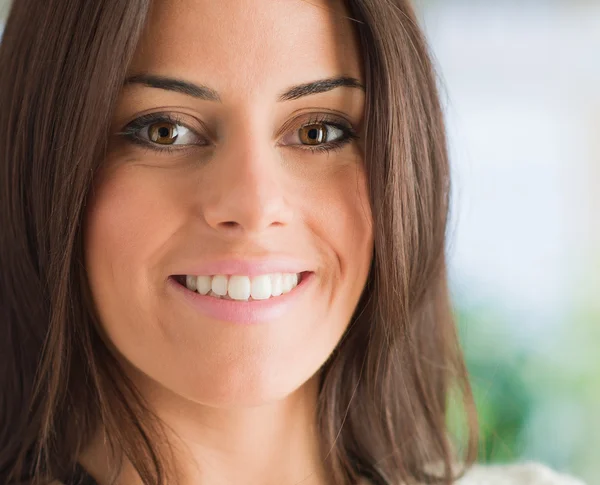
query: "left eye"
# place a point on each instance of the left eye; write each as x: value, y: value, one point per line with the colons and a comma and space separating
x: 318, y: 133
x: 168, y: 133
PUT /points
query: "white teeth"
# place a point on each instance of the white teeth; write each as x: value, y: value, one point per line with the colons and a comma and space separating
x: 203, y: 284
x: 219, y: 284
x: 261, y: 287
x: 276, y: 284
x: 289, y: 282
x: 243, y: 288
x: 190, y: 282
x: 239, y: 287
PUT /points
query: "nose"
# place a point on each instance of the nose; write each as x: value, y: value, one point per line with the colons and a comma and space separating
x: 248, y: 187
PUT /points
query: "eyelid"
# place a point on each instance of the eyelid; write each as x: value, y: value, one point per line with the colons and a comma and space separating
x: 315, y: 118
x: 147, y: 119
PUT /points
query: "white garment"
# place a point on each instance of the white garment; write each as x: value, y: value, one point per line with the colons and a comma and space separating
x: 516, y: 474
x: 529, y: 473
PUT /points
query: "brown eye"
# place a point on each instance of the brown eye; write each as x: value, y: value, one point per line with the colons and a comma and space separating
x: 163, y: 133
x: 313, y: 134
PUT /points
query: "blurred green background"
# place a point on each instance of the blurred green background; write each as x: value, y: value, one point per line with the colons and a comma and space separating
x: 520, y: 83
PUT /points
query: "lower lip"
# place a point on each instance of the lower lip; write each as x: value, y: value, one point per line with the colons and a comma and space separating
x: 255, y: 311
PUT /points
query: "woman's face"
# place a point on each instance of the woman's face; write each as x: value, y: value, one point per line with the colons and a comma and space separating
x: 237, y: 175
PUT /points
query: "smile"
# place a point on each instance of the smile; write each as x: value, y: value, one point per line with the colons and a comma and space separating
x: 241, y: 287
x: 241, y: 299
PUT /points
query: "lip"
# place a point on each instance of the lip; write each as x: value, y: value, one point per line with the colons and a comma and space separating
x: 246, y: 267
x: 243, y: 312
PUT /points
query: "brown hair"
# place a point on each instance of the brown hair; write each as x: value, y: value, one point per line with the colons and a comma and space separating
x: 385, y: 389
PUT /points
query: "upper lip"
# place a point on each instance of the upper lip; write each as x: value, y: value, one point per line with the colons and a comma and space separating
x: 247, y: 267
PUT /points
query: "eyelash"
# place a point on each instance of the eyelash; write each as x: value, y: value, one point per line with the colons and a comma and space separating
x: 132, y: 132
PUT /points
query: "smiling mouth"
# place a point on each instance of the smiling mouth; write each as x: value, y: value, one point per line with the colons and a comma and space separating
x: 242, y: 288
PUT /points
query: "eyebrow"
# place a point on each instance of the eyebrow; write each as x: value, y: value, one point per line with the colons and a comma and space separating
x: 205, y: 93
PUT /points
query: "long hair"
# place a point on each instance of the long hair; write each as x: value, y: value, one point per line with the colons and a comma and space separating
x: 385, y: 389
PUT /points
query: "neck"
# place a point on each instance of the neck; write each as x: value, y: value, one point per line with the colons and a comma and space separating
x: 272, y: 444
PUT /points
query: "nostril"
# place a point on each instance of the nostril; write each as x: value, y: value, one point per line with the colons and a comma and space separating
x: 229, y: 223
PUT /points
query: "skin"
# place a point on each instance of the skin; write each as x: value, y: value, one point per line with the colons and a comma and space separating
x: 240, y: 398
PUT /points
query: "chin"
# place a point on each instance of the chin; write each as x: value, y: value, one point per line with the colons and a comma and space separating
x: 246, y: 388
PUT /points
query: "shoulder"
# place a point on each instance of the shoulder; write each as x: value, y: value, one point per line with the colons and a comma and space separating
x: 529, y: 473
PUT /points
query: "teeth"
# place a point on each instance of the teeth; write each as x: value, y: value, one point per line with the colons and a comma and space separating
x: 243, y: 288
x: 219, y: 285
x: 239, y: 287
x: 276, y: 284
x: 190, y: 282
x: 289, y: 281
x: 261, y: 287
x: 203, y: 284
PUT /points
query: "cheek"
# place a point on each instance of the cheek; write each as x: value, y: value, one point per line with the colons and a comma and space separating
x: 129, y: 216
x: 343, y: 214
x: 339, y: 215
x: 127, y: 223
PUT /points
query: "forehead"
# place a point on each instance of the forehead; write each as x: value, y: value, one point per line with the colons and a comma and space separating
x: 251, y: 46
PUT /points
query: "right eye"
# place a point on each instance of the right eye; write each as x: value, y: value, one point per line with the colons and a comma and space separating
x: 161, y: 131
x: 167, y: 133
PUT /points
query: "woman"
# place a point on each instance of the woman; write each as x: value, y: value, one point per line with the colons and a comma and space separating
x: 223, y: 247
